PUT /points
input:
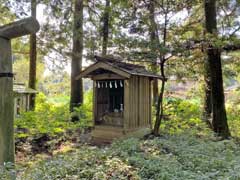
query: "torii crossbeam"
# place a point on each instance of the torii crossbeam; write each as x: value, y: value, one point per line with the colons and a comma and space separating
x: 8, y: 32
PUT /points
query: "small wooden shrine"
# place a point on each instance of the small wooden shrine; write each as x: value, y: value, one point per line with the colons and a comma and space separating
x: 22, y: 95
x: 121, y: 98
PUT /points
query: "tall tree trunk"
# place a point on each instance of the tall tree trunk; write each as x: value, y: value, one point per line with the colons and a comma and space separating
x: 154, y: 42
x: 33, y: 58
x: 159, y: 112
x: 159, y: 107
x: 105, y: 29
x: 77, y: 85
x: 219, y: 117
x: 207, y: 109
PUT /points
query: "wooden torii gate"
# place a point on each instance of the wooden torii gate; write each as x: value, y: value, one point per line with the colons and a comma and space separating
x: 8, y: 32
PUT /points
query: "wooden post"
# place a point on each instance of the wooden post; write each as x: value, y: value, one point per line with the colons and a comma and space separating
x: 7, y: 32
x: 6, y: 103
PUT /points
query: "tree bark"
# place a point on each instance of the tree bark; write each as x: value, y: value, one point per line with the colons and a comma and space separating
x: 33, y: 59
x: 76, y: 65
x: 154, y: 42
x: 207, y: 108
x: 159, y: 112
x: 6, y: 104
x: 159, y: 106
x: 105, y: 29
x: 219, y: 117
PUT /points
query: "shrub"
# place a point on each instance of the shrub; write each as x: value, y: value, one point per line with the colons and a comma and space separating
x: 52, y: 119
x: 46, y: 119
x: 233, y: 114
x: 181, y: 115
x: 84, y: 112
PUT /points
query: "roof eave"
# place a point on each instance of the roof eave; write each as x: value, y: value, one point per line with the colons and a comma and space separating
x: 103, y: 65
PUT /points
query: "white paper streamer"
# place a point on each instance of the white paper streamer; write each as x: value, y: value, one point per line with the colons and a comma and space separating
x: 106, y: 84
x: 99, y: 85
x: 121, y: 84
x: 110, y: 84
x: 115, y: 84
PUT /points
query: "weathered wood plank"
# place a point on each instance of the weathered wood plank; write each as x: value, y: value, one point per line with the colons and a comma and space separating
x: 105, y: 76
x: 136, y: 101
x: 126, y: 105
x: 146, y: 102
x: 140, y: 101
x: 150, y: 103
x: 135, y: 95
x: 102, y: 102
x: 19, y: 28
x: 131, y: 118
x: 104, y: 134
x: 142, y: 97
x: 6, y: 104
x: 133, y: 104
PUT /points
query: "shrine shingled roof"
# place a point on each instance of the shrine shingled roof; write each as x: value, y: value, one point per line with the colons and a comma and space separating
x: 20, y: 88
x: 119, y: 67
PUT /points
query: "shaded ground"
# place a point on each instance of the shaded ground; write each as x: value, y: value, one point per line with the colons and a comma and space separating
x: 188, y: 155
x: 185, y: 150
x: 30, y: 149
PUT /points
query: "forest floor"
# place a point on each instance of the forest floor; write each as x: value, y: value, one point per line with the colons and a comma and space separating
x: 50, y: 147
x: 30, y: 149
x: 189, y: 155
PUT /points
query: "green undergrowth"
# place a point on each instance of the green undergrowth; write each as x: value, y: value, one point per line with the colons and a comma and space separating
x: 52, y: 117
x: 183, y: 156
x: 181, y: 115
x: 234, y: 119
x: 186, y: 149
x: 7, y: 172
x: 184, y: 114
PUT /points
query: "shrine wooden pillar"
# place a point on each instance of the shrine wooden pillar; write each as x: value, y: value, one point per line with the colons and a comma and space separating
x: 8, y: 32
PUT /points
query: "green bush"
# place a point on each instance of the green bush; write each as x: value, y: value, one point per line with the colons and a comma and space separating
x: 46, y: 119
x: 84, y: 112
x: 52, y: 118
x: 181, y: 115
x: 233, y: 114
